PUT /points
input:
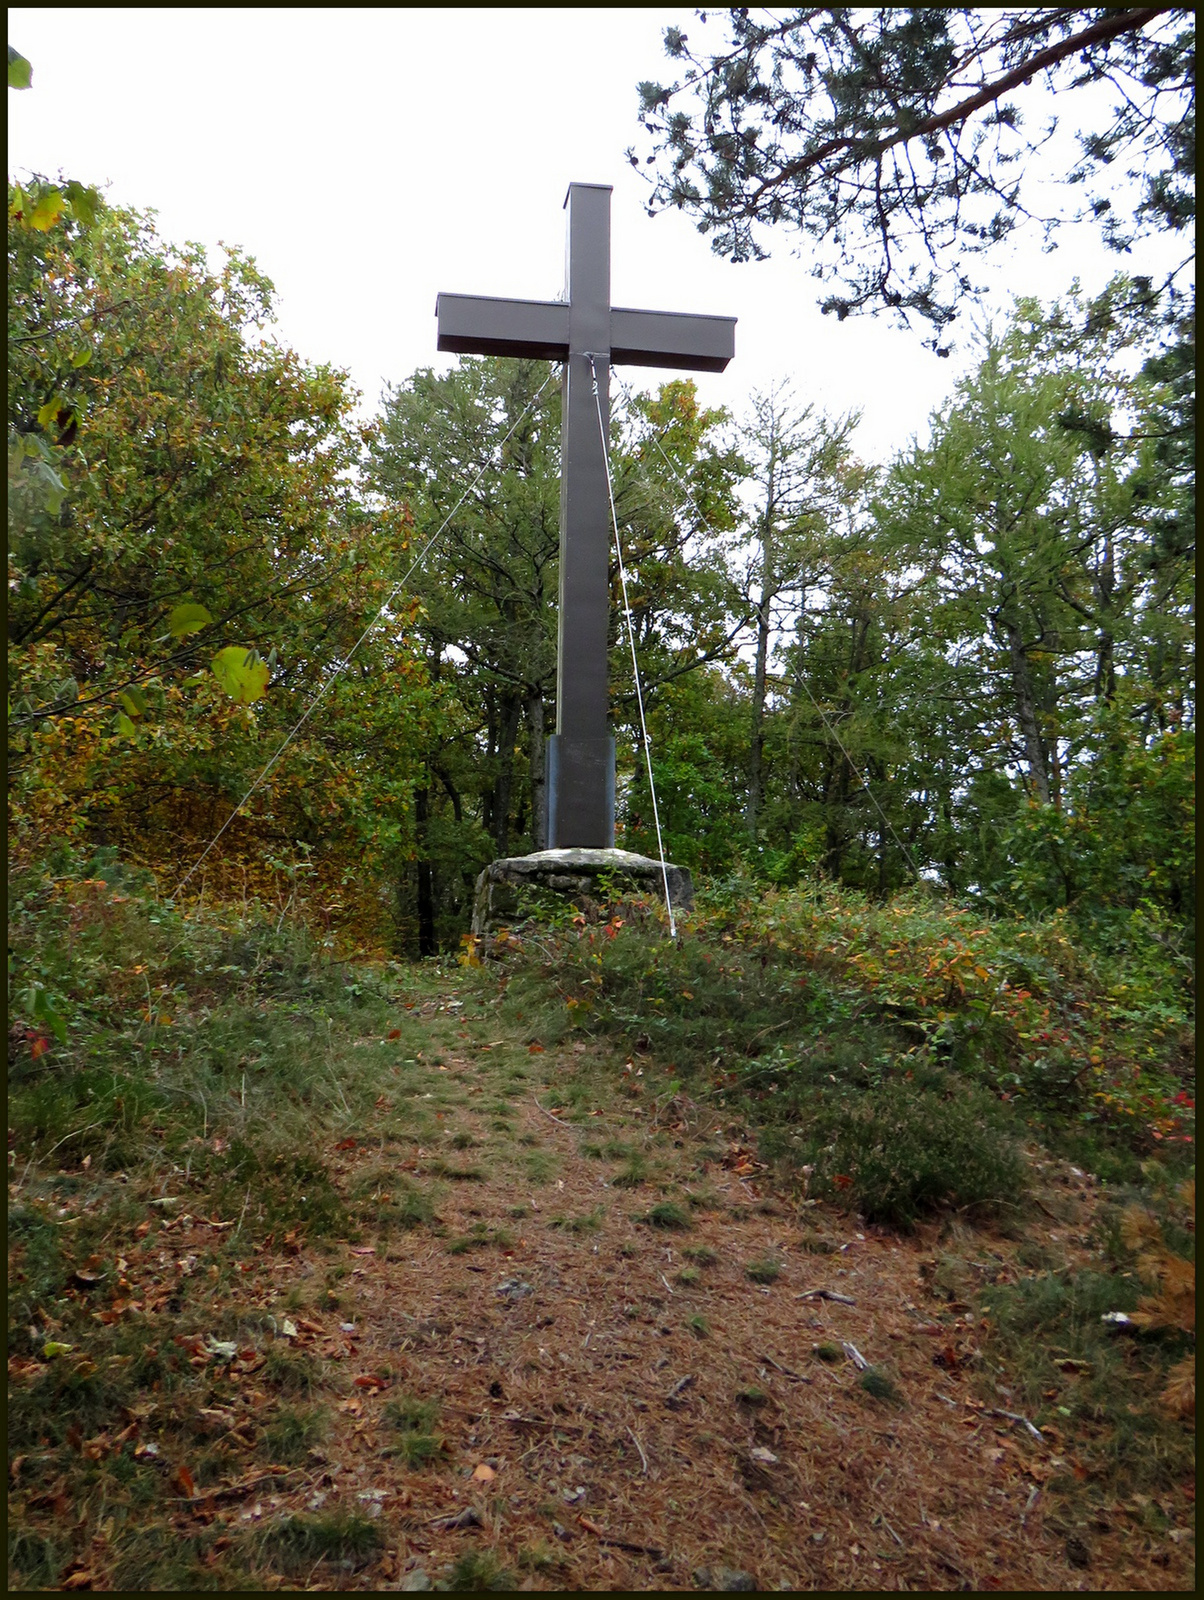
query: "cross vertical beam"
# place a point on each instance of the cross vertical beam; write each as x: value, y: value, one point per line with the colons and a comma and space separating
x: 581, y: 761
x: 584, y: 326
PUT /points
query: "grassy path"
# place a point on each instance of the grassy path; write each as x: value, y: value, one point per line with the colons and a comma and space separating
x: 574, y: 1341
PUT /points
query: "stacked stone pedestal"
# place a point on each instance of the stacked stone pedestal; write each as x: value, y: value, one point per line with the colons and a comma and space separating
x: 574, y: 875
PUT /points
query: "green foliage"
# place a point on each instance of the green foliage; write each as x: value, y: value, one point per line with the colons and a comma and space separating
x: 766, y: 1270
x: 902, y: 1151
x: 20, y: 73
x: 855, y: 130
x: 295, y: 1543
x: 1069, y: 1368
x: 149, y: 418
x: 896, y: 1049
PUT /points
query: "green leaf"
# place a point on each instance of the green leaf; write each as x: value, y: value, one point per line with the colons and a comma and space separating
x: 43, y: 1009
x: 81, y: 358
x: 49, y: 411
x: 134, y: 701
x: 84, y: 202
x: 20, y: 73
x: 124, y: 726
x: 241, y: 674
x: 48, y: 210
x: 189, y: 617
x: 56, y: 1347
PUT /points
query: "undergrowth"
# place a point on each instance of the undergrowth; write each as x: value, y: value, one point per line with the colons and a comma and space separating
x: 181, y: 1091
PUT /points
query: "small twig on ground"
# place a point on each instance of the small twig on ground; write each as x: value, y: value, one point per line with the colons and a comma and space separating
x: 640, y: 1448
x: 619, y: 1544
x: 666, y: 1283
x: 246, y: 1202
x: 785, y: 1371
x: 682, y: 1383
x: 854, y: 1355
x: 560, y: 1123
x: 1014, y: 1416
x: 826, y: 1294
x: 1030, y: 1503
x: 890, y: 1530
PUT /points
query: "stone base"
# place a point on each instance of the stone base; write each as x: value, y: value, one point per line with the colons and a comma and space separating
x: 573, y: 874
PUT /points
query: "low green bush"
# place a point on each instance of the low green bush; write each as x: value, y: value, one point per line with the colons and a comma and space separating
x: 902, y: 1151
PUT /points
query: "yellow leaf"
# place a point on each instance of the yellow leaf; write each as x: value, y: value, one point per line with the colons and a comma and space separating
x: 241, y: 675
x: 48, y: 211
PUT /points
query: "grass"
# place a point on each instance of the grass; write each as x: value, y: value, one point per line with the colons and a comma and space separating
x: 416, y: 1449
x: 295, y: 1372
x: 766, y: 1270
x: 631, y: 1174
x: 1084, y: 1028
x: 476, y: 1571
x: 700, y: 1254
x: 295, y: 1544
x: 879, y: 1385
x: 294, y: 1431
x: 699, y: 1326
x: 247, y: 1106
x: 480, y: 1238
x: 589, y: 1222
x: 666, y: 1214
x: 409, y: 1414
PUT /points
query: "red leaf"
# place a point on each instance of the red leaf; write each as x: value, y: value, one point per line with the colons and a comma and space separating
x: 181, y: 1479
x: 393, y: 1033
x: 841, y: 1180
x: 346, y: 1144
x: 37, y: 1049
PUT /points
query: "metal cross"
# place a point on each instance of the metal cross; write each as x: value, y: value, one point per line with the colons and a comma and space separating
x: 587, y: 334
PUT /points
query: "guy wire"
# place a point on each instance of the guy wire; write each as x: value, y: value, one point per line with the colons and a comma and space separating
x: 639, y: 693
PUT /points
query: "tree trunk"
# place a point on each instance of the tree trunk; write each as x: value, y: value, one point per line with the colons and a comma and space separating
x: 539, y: 799
x: 426, y: 886
x: 757, y: 743
x: 503, y: 789
x: 1026, y: 711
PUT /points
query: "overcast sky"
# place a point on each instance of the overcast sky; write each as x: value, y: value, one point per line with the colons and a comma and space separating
x: 369, y: 158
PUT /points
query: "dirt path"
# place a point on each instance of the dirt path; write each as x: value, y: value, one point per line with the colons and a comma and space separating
x: 620, y: 1404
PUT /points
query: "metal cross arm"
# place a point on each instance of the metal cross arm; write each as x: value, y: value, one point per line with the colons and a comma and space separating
x: 587, y: 334
x: 474, y: 324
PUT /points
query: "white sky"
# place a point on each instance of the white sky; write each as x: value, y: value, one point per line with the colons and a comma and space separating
x: 369, y: 158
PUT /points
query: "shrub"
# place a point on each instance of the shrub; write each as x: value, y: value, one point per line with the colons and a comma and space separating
x: 902, y: 1151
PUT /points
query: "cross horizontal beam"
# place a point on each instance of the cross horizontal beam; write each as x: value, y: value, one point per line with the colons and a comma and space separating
x: 539, y: 329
